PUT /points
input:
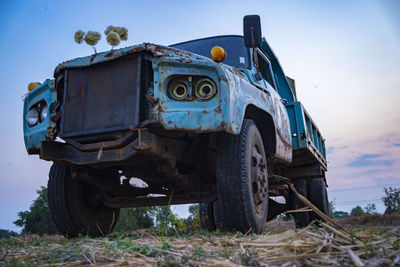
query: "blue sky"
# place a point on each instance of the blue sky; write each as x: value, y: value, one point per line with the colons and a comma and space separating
x: 344, y: 55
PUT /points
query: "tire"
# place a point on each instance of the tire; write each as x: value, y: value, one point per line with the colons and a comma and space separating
x: 319, y: 197
x: 206, y: 216
x: 73, y: 205
x: 242, y: 181
x: 217, y: 216
x: 301, y: 219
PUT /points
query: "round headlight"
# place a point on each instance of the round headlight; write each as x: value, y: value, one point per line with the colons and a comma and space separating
x: 205, y: 89
x: 178, y: 89
x: 32, y: 117
x: 44, y: 112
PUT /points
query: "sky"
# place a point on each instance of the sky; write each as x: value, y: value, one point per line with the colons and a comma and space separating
x: 344, y: 56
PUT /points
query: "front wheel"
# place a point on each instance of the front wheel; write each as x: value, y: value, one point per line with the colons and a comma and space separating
x: 74, y: 206
x: 242, y: 180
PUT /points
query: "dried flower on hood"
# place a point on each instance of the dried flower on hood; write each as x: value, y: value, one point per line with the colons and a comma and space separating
x: 123, y: 33
x: 79, y: 36
x: 109, y: 29
x: 91, y: 38
x: 113, y: 38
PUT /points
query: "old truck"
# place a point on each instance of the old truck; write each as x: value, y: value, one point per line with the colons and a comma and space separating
x: 212, y: 121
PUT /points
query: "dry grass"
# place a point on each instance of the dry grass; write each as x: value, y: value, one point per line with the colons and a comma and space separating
x: 331, y: 244
x: 278, y: 246
x: 372, y: 219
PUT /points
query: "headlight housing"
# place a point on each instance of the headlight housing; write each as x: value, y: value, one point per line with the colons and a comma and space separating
x: 44, y: 112
x: 178, y: 89
x: 37, y: 114
x: 189, y: 88
x: 32, y: 117
x: 205, y: 89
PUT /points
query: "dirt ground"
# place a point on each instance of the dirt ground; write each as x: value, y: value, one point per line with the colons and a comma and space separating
x: 279, y: 245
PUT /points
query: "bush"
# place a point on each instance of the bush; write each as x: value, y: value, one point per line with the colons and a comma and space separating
x: 193, y: 218
x: 37, y: 220
x: 357, y: 211
x: 340, y: 214
x: 7, y: 233
x: 392, y: 200
x: 135, y: 218
x: 370, y: 209
x: 372, y: 219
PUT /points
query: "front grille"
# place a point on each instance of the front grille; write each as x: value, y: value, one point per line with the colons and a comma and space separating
x: 102, y: 98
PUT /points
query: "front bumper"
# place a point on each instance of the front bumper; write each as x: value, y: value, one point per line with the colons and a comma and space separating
x: 146, y: 144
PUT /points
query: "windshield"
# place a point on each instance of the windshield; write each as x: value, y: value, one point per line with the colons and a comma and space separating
x: 237, y: 54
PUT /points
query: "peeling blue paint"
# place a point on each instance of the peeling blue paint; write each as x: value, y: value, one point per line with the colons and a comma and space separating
x: 35, y: 134
x: 237, y: 90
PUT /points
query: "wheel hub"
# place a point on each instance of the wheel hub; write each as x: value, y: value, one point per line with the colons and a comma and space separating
x: 259, y: 178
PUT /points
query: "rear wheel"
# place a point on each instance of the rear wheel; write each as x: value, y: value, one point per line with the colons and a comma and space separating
x: 242, y: 181
x: 206, y: 216
x: 74, y: 206
x: 301, y: 219
x: 319, y: 197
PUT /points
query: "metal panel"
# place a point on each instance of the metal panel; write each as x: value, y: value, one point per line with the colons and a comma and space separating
x: 102, y: 97
x: 46, y: 129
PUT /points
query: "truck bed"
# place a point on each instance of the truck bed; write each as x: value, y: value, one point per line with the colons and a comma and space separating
x: 308, y: 143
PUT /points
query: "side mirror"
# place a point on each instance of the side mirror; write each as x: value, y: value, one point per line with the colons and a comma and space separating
x: 252, y: 31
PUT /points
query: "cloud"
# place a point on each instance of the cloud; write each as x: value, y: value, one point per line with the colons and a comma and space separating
x: 332, y: 149
x: 369, y: 160
x: 369, y: 173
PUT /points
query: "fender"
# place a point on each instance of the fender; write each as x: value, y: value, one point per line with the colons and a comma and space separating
x: 267, y: 100
x: 45, y: 129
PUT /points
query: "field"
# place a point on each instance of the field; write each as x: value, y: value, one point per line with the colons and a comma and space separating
x: 375, y: 243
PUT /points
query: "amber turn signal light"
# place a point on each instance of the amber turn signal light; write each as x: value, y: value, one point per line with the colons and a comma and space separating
x: 218, y: 53
x: 32, y: 86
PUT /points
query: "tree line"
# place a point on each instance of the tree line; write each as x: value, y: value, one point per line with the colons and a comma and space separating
x: 37, y: 220
x: 391, y: 200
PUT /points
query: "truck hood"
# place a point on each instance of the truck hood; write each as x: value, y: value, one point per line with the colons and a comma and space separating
x: 155, y: 50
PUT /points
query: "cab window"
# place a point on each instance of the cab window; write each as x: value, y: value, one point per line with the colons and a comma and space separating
x: 265, y: 68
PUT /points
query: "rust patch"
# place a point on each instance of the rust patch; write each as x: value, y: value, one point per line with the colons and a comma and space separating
x: 92, y: 58
x: 151, y: 99
x: 263, y: 97
x: 239, y: 73
x: 136, y: 49
x: 111, y: 54
x: 159, y: 50
x: 56, y: 117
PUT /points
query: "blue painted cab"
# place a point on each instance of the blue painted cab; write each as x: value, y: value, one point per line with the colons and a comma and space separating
x: 296, y: 139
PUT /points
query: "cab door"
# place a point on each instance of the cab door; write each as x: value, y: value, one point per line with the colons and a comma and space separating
x: 281, y: 118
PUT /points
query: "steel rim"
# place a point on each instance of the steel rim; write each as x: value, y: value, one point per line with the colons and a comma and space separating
x: 259, y: 183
